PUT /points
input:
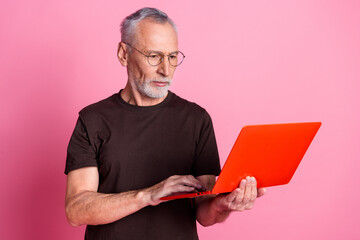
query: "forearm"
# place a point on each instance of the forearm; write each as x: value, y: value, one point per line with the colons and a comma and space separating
x: 84, y: 205
x: 93, y: 208
x: 207, y: 213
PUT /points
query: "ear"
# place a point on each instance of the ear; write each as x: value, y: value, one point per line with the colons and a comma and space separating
x: 122, y: 53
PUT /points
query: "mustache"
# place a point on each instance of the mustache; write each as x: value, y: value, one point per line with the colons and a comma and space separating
x: 163, y: 80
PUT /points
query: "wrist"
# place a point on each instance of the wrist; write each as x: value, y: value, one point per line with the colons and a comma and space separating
x: 143, y: 198
x: 217, y: 206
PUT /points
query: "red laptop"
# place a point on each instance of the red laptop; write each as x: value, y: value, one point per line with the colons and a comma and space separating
x: 271, y: 153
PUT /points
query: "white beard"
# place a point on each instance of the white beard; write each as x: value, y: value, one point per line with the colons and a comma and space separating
x: 152, y: 91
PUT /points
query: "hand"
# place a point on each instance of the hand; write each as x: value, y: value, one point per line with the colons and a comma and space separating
x: 173, y: 184
x: 242, y: 198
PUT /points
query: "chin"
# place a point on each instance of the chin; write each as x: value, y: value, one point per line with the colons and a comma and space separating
x: 157, y: 94
x: 154, y: 92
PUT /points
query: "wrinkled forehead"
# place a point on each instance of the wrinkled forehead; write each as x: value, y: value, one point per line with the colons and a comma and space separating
x: 152, y: 35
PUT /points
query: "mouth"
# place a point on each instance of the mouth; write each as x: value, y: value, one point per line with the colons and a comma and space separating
x: 160, y: 84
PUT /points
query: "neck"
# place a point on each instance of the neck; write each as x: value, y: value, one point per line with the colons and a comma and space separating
x: 134, y: 97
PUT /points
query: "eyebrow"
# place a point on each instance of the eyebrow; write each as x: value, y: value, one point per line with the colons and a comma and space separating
x: 155, y: 51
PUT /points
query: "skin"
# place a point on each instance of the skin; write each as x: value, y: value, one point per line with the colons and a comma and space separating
x: 85, y: 206
x: 150, y: 37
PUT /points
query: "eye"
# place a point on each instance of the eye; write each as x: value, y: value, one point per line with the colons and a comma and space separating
x: 173, y: 56
x: 154, y: 56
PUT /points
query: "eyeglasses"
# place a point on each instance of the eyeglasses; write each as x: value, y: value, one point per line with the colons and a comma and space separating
x: 155, y: 58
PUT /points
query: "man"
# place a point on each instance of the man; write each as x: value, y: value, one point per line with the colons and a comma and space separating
x: 144, y: 143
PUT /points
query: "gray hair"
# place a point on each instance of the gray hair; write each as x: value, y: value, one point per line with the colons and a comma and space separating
x: 128, y: 25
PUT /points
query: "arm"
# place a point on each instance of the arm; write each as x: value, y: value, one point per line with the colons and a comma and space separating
x: 215, y: 209
x: 84, y: 205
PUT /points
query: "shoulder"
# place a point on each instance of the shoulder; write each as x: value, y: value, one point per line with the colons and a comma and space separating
x: 99, y: 108
x: 192, y: 108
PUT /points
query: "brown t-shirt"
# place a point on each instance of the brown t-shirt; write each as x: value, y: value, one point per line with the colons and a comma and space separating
x: 136, y: 147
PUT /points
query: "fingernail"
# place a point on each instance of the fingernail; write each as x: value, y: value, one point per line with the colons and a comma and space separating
x: 253, y: 179
x: 243, y: 182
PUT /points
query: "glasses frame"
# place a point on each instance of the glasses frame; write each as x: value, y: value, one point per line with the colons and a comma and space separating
x: 162, y: 56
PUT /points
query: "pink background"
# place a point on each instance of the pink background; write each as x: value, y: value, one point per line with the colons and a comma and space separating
x: 247, y: 62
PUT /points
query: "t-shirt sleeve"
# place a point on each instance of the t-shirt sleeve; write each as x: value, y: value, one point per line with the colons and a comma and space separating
x: 206, y: 153
x: 80, y: 152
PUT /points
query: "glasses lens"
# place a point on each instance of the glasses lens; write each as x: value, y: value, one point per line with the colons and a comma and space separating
x: 154, y: 58
x: 176, y: 58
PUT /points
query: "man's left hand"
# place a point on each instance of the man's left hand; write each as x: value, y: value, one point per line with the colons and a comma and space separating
x: 242, y: 198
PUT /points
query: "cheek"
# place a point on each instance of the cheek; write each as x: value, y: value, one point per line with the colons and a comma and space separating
x: 146, y: 72
x: 136, y: 70
x: 142, y: 70
x: 172, y: 72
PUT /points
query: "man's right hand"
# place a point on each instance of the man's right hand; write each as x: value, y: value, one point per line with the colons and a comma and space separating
x: 169, y: 186
x: 86, y: 206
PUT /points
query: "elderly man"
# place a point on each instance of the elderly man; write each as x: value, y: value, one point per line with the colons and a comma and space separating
x: 143, y: 143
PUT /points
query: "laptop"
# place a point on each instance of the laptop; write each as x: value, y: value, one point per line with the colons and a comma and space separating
x: 271, y: 153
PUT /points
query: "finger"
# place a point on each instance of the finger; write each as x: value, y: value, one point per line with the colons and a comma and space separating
x: 182, y: 188
x: 253, y: 189
x: 174, y: 189
x: 248, y: 189
x: 240, y: 194
x: 237, y: 192
x: 249, y: 206
x: 231, y: 196
x: 191, y: 181
x: 261, y: 192
x: 186, y: 180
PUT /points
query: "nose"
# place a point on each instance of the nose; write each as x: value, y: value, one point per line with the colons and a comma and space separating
x: 164, y: 67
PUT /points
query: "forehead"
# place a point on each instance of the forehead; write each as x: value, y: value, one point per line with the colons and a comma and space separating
x: 151, y: 35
